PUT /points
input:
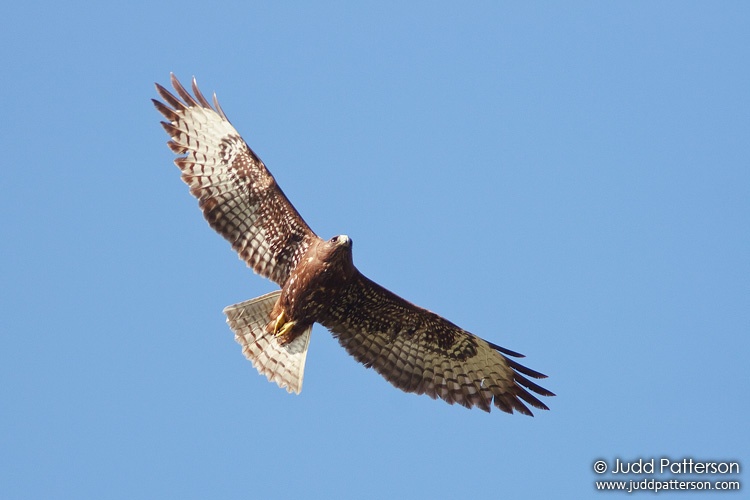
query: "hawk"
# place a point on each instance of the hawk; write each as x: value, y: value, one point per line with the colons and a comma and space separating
x: 413, y: 348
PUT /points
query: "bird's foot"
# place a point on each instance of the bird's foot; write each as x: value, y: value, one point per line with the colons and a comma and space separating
x: 282, y: 329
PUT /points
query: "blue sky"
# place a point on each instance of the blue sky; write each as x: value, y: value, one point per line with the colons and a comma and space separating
x: 570, y: 182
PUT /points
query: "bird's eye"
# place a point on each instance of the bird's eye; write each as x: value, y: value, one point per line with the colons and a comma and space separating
x: 334, y: 239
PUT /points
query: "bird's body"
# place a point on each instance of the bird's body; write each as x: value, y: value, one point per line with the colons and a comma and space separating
x: 326, y: 271
x: 413, y: 348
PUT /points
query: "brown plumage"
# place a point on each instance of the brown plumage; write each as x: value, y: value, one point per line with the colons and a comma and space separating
x: 414, y: 349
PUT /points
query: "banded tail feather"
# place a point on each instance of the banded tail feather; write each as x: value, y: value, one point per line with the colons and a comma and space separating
x: 285, y: 364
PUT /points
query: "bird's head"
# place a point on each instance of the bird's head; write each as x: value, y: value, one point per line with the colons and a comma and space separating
x: 338, y: 252
x: 336, y: 247
x: 341, y: 240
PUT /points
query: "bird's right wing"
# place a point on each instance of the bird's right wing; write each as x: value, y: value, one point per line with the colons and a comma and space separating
x: 237, y: 194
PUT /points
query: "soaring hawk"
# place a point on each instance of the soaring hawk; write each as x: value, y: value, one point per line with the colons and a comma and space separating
x: 414, y: 349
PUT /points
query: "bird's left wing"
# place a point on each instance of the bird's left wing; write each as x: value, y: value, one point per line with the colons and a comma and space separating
x: 237, y: 194
x: 418, y: 351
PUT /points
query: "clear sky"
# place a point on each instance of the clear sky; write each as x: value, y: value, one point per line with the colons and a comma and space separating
x: 570, y: 181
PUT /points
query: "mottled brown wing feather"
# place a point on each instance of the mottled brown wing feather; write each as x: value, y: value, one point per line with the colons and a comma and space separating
x: 418, y: 351
x: 237, y: 194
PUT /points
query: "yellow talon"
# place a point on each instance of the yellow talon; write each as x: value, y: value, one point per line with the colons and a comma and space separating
x: 279, y: 323
x: 281, y: 327
x: 285, y: 329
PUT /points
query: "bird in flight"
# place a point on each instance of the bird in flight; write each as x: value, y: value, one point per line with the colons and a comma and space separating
x: 414, y: 349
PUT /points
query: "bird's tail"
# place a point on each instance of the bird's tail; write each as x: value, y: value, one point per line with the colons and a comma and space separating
x: 285, y: 364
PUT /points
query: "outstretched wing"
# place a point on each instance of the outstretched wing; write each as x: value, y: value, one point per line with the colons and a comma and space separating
x: 237, y: 194
x: 418, y: 351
